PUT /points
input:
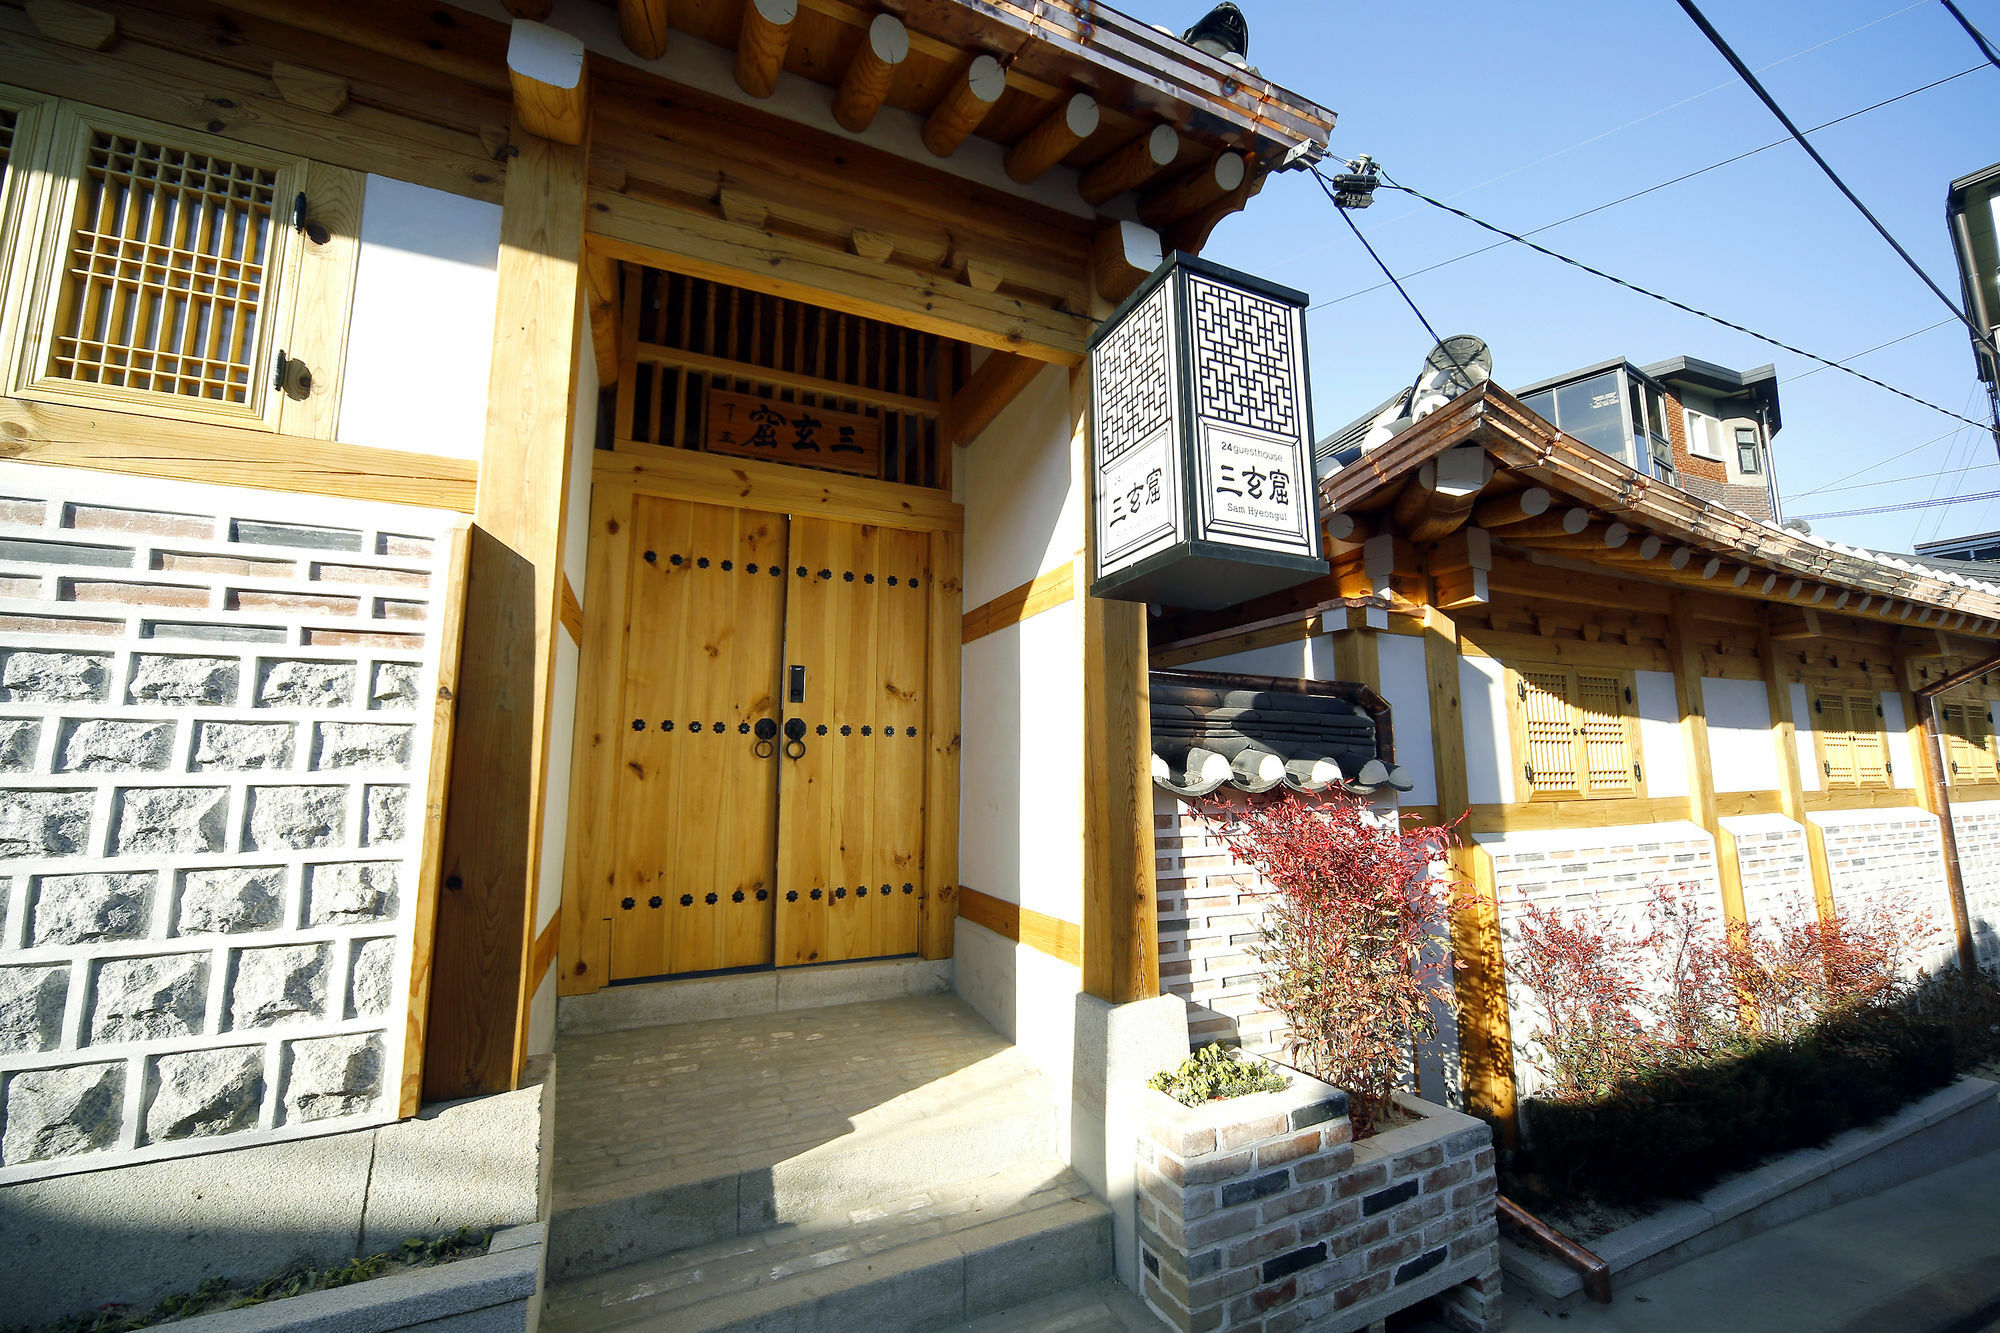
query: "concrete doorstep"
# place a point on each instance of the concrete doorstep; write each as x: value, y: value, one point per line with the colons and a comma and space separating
x: 1953, y: 1125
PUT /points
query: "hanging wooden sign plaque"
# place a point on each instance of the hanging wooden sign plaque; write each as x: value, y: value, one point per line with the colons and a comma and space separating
x: 747, y: 426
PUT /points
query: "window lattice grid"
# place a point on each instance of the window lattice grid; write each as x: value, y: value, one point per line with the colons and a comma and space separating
x: 1607, y: 749
x: 9, y: 121
x: 1551, y: 735
x: 167, y: 272
x: 1853, y: 751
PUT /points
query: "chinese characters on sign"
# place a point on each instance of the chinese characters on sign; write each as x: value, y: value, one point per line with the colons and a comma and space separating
x: 747, y: 426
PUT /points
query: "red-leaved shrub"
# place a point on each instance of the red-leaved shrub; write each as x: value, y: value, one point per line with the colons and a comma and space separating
x: 1352, y: 943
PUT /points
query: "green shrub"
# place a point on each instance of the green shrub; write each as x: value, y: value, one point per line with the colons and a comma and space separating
x: 1213, y: 1073
x: 1674, y: 1131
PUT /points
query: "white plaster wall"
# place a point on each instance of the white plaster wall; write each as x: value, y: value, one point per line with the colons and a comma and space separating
x: 1407, y: 688
x: 1662, y: 753
x: 1482, y: 694
x: 1028, y: 997
x: 1902, y: 762
x: 420, y: 345
x: 1026, y: 512
x: 1802, y: 738
x: 582, y: 456
x: 1292, y: 660
x: 542, y: 1016
x: 1740, y: 750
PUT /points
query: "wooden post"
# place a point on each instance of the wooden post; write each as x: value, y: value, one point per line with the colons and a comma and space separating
x: 1121, y: 918
x: 493, y: 818
x: 947, y: 608
x: 1934, y: 794
x: 1791, y: 793
x: 1685, y: 654
x: 1485, y: 1033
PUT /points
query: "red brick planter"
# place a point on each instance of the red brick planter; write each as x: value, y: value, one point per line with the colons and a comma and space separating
x: 1261, y: 1214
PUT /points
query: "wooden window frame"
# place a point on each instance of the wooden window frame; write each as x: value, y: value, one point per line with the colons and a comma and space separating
x: 1971, y: 756
x: 1816, y: 694
x: 1627, y: 692
x: 42, y: 217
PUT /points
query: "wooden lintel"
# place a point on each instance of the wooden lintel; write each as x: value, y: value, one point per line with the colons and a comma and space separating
x: 999, y: 378
x: 550, y: 76
x: 311, y: 89
x: 73, y: 24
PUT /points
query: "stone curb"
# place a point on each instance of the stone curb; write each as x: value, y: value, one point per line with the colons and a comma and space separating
x: 1949, y: 1126
x: 501, y: 1283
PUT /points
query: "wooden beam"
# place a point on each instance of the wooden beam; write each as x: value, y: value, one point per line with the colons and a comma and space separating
x: 513, y: 600
x: 423, y: 912
x: 72, y: 24
x: 941, y: 781
x: 601, y: 273
x: 1204, y: 187
x: 761, y: 44
x: 752, y: 483
x: 872, y: 246
x: 865, y: 85
x: 312, y: 89
x: 1191, y: 233
x: 999, y: 378
x: 1121, y: 257
x: 642, y: 25
x: 1059, y: 939
x: 1131, y: 166
x: 654, y: 354
x: 965, y: 103
x: 1685, y: 652
x: 1054, y: 138
x: 1052, y: 588
x: 1440, y: 497
x: 550, y: 78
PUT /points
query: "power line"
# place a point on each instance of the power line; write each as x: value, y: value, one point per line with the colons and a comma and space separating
x: 1650, y: 189
x: 1892, y: 481
x: 1348, y: 218
x: 1682, y: 305
x: 1978, y: 37
x: 1912, y: 504
x: 1882, y: 462
x: 1798, y: 136
x: 1865, y: 351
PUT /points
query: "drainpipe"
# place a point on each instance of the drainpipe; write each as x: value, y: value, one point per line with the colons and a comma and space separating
x: 1934, y: 755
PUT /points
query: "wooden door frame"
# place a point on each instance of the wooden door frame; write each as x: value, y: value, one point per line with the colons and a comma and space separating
x: 630, y: 471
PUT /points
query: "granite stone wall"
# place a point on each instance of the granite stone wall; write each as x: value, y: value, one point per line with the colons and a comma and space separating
x: 1976, y: 825
x: 214, y: 742
x: 1876, y: 856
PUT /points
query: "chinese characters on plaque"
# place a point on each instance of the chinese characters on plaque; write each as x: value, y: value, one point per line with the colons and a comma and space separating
x: 747, y: 426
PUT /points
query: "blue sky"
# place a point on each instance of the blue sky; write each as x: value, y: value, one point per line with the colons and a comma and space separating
x: 1524, y: 113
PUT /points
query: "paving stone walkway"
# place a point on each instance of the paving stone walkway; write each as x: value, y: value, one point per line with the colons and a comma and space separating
x: 648, y: 1107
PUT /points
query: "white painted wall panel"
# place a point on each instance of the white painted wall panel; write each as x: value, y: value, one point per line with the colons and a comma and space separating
x: 1802, y: 737
x: 1489, y: 763
x: 1740, y: 749
x: 1903, y: 763
x: 420, y: 345
x: 1407, y: 689
x: 1028, y: 515
x: 1662, y: 752
x: 583, y: 453
x: 555, y: 811
x: 1291, y: 660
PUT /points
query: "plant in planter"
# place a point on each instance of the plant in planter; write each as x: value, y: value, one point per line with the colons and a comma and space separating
x: 1350, y: 937
x: 1214, y: 1073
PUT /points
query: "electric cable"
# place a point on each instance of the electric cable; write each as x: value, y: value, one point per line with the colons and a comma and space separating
x: 1978, y: 37
x: 1867, y: 350
x: 1650, y: 189
x: 1881, y: 462
x: 1912, y: 504
x: 1887, y: 481
x: 1678, y: 305
x: 1743, y: 72
x: 1347, y: 217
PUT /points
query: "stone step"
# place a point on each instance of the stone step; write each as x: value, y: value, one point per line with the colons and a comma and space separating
x: 710, y: 1132
x: 921, y: 1260
x: 1100, y: 1307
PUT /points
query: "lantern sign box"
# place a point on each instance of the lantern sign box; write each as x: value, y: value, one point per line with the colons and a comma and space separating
x: 1201, y: 433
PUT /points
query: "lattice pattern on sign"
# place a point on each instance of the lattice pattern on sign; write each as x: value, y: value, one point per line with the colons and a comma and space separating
x: 165, y: 278
x: 1134, y: 382
x: 1246, y: 358
x: 214, y: 746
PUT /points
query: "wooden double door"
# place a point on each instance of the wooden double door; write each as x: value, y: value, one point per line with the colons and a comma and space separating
x: 770, y: 791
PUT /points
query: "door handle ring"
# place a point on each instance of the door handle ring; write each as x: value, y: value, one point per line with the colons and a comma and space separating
x: 795, y: 748
x: 765, y: 749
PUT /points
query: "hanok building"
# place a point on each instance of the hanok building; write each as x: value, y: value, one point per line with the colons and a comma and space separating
x: 511, y: 507
x: 1614, y: 684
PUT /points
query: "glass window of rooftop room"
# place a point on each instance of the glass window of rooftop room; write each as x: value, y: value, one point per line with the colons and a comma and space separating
x: 1746, y: 450
x: 1704, y: 435
x: 1543, y: 405
x: 1590, y: 410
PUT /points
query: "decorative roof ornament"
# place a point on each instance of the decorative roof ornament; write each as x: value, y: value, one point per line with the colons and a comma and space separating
x: 1223, y: 33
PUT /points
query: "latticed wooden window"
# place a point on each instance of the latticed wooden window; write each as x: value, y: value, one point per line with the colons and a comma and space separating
x: 162, y: 267
x: 1852, y: 750
x: 10, y: 121
x: 1968, y: 742
x: 1577, y: 726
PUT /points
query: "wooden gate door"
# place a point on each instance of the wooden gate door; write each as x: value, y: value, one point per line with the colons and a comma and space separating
x: 851, y: 833
x: 697, y: 813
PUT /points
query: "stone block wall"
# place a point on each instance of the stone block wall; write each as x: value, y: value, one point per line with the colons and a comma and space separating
x: 1976, y: 824
x: 1261, y: 1214
x: 1873, y: 856
x: 1209, y: 907
x: 215, y: 738
x: 1776, y: 866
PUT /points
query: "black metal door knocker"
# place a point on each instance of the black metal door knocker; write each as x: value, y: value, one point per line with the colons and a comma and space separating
x: 767, y: 731
x: 795, y: 739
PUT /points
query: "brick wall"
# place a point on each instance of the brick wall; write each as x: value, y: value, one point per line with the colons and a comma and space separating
x: 1776, y: 866
x: 214, y: 734
x: 1567, y: 869
x: 1210, y: 906
x: 1261, y: 1214
x: 1873, y: 856
x: 1976, y: 825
